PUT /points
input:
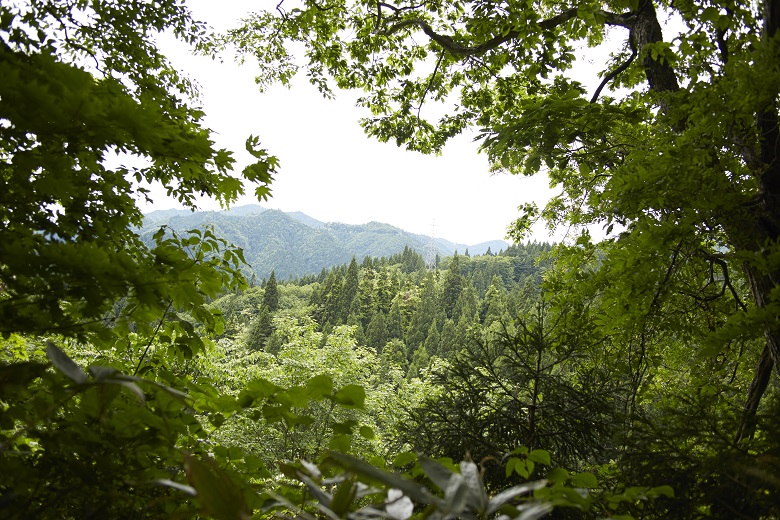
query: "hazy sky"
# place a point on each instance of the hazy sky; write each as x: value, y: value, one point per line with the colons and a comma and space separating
x: 332, y: 171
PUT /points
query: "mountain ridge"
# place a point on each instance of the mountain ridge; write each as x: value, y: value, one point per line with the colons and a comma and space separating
x: 294, y: 244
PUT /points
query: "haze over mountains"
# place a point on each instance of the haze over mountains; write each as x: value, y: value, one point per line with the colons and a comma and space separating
x: 295, y: 244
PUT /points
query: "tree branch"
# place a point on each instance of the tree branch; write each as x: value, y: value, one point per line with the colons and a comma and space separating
x: 453, y: 47
x: 430, y: 82
x: 612, y: 75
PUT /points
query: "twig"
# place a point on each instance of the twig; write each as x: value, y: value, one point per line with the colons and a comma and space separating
x: 430, y: 82
x: 149, y: 344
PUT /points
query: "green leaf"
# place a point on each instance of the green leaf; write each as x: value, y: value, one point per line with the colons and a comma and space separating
x: 351, y: 396
x: 584, y: 480
x: 666, y: 491
x: 438, y: 474
x: 410, y: 488
x: 217, y: 493
x: 320, y: 386
x: 64, y: 364
x: 343, y: 498
x: 134, y: 388
x: 540, y: 456
x: 345, y: 427
x: 340, y: 442
x: 404, y: 458
x: 558, y: 475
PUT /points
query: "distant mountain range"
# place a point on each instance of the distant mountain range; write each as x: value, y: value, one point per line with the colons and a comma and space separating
x: 295, y: 244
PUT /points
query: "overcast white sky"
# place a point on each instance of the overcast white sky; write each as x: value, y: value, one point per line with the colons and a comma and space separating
x: 332, y: 171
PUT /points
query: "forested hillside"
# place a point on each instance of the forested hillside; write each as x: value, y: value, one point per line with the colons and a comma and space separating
x: 294, y: 244
x: 630, y: 377
x: 397, y: 318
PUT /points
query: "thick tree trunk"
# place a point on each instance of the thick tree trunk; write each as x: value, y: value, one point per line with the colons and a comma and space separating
x: 646, y: 30
x: 750, y: 229
x: 765, y: 216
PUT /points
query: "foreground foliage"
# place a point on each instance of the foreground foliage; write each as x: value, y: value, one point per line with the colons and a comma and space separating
x: 642, y: 359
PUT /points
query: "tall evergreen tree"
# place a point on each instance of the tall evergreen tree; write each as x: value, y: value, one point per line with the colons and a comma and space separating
x: 395, y: 326
x: 394, y: 355
x: 449, y: 340
x: 494, y: 305
x: 384, y: 290
x: 376, y: 332
x: 468, y: 302
x: 426, y: 312
x: 366, y: 297
x: 259, y: 330
x: 349, y: 291
x: 432, y: 339
x: 420, y: 360
x: 453, y: 284
x: 332, y: 299
x: 271, y: 294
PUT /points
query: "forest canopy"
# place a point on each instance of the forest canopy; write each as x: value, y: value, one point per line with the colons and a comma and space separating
x: 629, y: 377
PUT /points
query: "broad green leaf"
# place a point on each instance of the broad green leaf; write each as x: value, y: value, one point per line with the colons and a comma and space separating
x: 666, y: 491
x: 540, y: 456
x: 351, y: 396
x: 320, y: 386
x: 64, y: 364
x: 216, y: 491
x: 410, y: 488
x: 343, y: 497
x: 340, y: 442
x: 404, y: 458
x: 584, y: 480
x: 439, y: 475
x: 558, y: 475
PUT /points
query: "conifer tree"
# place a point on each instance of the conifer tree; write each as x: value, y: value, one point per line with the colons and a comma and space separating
x: 448, y: 343
x: 366, y: 297
x: 376, y: 332
x: 494, y: 304
x: 349, y: 291
x: 453, y: 284
x: 425, y: 314
x: 271, y: 294
x: 395, y: 329
x: 420, y: 360
x: 384, y: 290
x: 432, y: 340
x: 394, y: 355
x: 259, y: 329
x: 468, y: 302
x: 332, y: 299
